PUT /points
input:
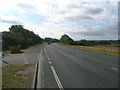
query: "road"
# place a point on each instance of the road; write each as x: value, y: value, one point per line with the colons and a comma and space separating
x: 63, y: 67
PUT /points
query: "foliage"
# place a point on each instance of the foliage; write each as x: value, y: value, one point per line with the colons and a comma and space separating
x: 52, y: 40
x: 65, y: 39
x: 19, y: 36
x: 96, y: 42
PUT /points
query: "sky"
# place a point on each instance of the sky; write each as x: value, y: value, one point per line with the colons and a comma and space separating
x: 80, y: 19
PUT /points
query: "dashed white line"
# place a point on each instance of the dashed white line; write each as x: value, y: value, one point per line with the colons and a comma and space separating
x: 48, y: 59
x: 56, y: 78
x: 49, y: 62
x: 114, y: 68
x: 45, y: 50
x: 54, y: 73
x: 24, y: 58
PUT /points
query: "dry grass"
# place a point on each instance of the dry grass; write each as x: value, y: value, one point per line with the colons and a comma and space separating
x: 17, y: 76
x: 108, y: 50
x: 102, y: 48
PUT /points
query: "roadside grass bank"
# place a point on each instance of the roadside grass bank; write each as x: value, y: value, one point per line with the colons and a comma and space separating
x: 37, y: 47
x: 107, y: 50
x: 22, y: 75
x: 17, y: 76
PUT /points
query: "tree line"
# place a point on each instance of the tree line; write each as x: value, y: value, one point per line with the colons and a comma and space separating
x: 18, y: 35
x: 65, y: 39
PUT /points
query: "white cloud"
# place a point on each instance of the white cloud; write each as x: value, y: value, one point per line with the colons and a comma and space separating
x: 83, y: 12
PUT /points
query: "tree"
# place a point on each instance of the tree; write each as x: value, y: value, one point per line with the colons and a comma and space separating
x: 47, y: 39
x: 19, y: 36
x: 65, y: 39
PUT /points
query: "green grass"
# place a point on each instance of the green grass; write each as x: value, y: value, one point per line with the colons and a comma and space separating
x: 116, y: 54
x: 13, y: 78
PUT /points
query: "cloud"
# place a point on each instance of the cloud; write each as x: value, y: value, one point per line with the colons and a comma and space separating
x: 27, y: 7
x: 107, y: 33
x: 12, y: 22
x: 78, y: 18
x: 94, y: 11
x: 74, y: 6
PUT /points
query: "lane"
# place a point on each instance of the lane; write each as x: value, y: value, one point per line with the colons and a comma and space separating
x: 47, y: 77
x: 81, y: 69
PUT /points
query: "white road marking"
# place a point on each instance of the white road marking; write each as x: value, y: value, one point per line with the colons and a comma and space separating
x: 56, y: 78
x: 47, y: 56
x: 48, y: 59
x: 114, y: 68
x: 49, y: 62
x: 45, y: 50
x: 24, y: 58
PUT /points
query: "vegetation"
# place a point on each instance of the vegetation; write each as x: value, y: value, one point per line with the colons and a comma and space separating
x: 17, y: 76
x: 52, y: 40
x: 96, y: 42
x: 65, y: 39
x: 17, y: 35
x: 108, y: 50
x: 108, y: 47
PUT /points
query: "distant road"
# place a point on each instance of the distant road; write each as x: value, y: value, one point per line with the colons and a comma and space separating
x: 63, y: 67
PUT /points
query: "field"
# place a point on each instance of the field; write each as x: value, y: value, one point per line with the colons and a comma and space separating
x: 108, y: 50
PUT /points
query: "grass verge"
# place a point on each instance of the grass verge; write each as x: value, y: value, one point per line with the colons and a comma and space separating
x: 17, y: 76
x: 116, y: 54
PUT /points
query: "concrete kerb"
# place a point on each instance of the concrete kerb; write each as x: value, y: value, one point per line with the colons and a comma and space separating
x: 39, y: 83
x: 35, y: 81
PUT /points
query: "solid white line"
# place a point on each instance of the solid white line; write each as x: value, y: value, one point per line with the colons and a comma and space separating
x: 56, y: 78
x: 114, y: 68
x: 24, y: 58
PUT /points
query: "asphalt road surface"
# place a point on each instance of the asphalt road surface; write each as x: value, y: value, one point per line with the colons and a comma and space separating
x: 63, y: 67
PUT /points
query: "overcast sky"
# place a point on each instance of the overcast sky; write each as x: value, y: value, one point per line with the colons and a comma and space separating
x: 80, y: 19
